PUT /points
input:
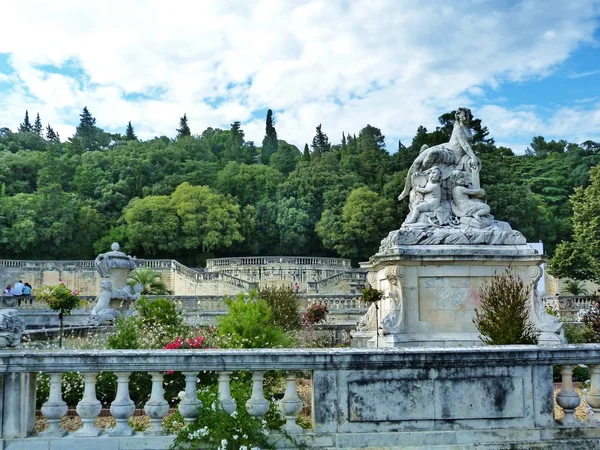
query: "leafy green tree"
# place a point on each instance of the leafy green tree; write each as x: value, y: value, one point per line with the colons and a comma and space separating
x: 579, y: 258
x: 37, y: 126
x: 365, y: 220
x: 320, y: 143
x: 88, y: 135
x: 129, y: 133
x: 184, y: 129
x: 269, y: 144
x: 286, y: 158
x: 26, y: 126
x: 249, y: 183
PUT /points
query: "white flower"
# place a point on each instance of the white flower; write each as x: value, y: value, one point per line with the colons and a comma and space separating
x: 181, y: 395
x: 235, y: 436
x: 245, y: 436
x: 265, y: 432
x: 243, y: 447
x: 234, y: 414
x: 224, y: 443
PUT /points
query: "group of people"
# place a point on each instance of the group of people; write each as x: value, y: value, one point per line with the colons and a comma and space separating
x: 20, y: 289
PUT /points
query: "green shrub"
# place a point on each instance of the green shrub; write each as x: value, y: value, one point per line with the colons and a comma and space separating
x: 150, y: 280
x: 285, y: 307
x: 249, y: 325
x: 577, y: 333
x: 503, y: 318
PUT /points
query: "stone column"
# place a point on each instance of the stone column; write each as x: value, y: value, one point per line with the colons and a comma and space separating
x: 54, y: 408
x: 189, y: 405
x: 156, y: 407
x: 593, y: 396
x: 567, y: 398
x: 257, y: 405
x: 291, y: 405
x: 89, y: 407
x: 122, y: 408
x: 227, y: 402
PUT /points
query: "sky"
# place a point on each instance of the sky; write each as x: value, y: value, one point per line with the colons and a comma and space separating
x: 526, y: 68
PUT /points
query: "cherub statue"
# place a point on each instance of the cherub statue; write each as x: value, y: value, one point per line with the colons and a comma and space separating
x: 456, y: 154
x: 431, y: 195
x: 467, y: 202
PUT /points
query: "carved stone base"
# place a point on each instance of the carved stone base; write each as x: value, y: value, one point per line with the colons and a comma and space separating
x: 431, y: 292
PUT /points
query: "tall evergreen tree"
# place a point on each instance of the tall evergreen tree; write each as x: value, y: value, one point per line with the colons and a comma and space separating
x: 26, y: 127
x: 129, y: 133
x: 320, y: 142
x: 269, y: 145
x: 184, y: 129
x: 306, y: 153
x: 51, y: 135
x: 37, y: 126
x: 87, y: 131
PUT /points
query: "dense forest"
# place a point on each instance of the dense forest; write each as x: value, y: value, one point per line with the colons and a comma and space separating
x: 216, y: 194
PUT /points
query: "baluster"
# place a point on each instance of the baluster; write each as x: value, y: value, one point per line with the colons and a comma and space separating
x: 227, y: 402
x: 89, y: 407
x: 156, y: 407
x: 122, y: 407
x: 55, y: 407
x: 257, y: 405
x: 291, y: 405
x: 567, y: 398
x: 189, y: 405
x: 593, y: 396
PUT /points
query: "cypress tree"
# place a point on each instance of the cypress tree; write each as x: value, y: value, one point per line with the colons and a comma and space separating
x: 184, y: 129
x: 26, y: 127
x: 269, y: 145
x: 306, y: 154
x: 129, y: 133
x: 87, y: 130
x: 37, y: 126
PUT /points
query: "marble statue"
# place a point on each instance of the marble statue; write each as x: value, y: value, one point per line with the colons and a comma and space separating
x: 446, y: 202
x: 114, y: 267
x: 11, y: 328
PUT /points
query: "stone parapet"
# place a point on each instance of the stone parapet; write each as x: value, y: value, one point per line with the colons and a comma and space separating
x: 454, y: 398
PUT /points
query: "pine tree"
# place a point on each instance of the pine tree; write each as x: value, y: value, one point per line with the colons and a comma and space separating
x: 320, y: 142
x: 51, y: 135
x: 129, y: 133
x: 37, y: 126
x: 306, y: 154
x: 26, y: 127
x: 87, y: 130
x: 184, y: 129
x: 269, y: 145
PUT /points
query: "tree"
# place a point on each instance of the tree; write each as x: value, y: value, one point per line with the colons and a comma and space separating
x: 269, y: 144
x: 184, y: 129
x: 579, y: 258
x: 37, y: 126
x: 51, y: 135
x: 26, y: 126
x: 89, y: 135
x: 286, y: 158
x: 151, y: 281
x: 320, y: 142
x: 503, y: 317
x: 129, y: 133
x: 306, y: 154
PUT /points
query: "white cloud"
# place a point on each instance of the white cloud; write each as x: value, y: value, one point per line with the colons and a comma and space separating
x: 394, y: 64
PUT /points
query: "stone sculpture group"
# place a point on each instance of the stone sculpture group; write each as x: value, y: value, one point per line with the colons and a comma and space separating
x: 446, y: 202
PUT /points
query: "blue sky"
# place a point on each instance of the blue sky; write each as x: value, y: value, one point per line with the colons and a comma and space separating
x: 526, y: 68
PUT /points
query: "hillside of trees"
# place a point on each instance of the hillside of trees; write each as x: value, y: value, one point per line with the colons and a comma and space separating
x: 213, y: 193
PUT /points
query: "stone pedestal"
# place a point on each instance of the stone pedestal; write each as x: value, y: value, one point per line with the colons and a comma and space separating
x: 431, y: 292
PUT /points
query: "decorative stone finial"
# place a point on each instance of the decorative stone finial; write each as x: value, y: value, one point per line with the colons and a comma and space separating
x: 115, y: 247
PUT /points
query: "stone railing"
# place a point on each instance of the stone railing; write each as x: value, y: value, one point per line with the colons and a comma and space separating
x: 215, y: 264
x: 568, y: 307
x: 200, y: 276
x: 380, y: 398
x: 358, y: 278
x: 33, y: 265
x: 159, y: 264
x: 336, y: 303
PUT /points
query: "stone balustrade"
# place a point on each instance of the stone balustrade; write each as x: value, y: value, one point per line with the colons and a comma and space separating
x: 215, y: 264
x: 460, y: 397
x: 568, y: 307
